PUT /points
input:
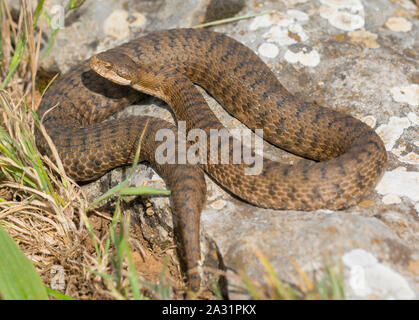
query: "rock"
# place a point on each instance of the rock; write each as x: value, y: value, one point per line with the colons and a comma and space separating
x: 268, y: 50
x: 310, y: 239
x: 368, y: 277
x: 398, y: 24
x: 340, y: 54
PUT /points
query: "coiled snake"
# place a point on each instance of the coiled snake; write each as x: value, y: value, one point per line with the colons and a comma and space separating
x: 167, y: 64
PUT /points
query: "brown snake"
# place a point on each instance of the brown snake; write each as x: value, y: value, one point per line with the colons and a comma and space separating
x: 166, y: 64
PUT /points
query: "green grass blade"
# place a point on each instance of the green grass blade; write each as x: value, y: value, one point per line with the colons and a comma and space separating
x: 273, y: 276
x: 75, y: 4
x: 338, y: 292
x: 57, y: 294
x: 121, y: 190
x: 164, y: 288
x: 18, y: 277
x: 111, y: 192
x: 1, y: 37
x: 14, y: 63
x: 249, y: 285
x: 126, y: 249
x: 233, y: 19
x: 137, y: 152
x: 37, y: 13
x: 51, y: 40
x: 134, y: 191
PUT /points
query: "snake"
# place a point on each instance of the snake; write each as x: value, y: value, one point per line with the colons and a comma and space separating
x: 348, y: 156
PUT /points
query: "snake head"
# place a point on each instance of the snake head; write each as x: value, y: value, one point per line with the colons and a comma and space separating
x: 116, y: 67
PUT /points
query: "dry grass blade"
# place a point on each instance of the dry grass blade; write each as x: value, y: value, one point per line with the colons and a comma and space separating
x: 40, y: 207
x: 232, y: 19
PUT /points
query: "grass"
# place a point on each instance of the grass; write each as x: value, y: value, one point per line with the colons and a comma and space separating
x: 232, y: 19
x: 43, y: 210
x: 328, y: 287
x: 48, y: 216
x: 17, y: 274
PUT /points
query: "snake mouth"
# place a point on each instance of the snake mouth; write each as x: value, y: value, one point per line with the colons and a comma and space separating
x: 121, y: 69
x: 107, y: 70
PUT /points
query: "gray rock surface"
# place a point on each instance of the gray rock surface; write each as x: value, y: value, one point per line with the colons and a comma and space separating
x: 353, y: 55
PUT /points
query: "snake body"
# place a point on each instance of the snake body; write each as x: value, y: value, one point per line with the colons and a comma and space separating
x: 351, y: 156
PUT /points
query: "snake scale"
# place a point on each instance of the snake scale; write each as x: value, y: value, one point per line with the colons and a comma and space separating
x: 349, y: 156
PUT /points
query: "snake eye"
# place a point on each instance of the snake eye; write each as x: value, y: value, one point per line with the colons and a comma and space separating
x: 108, y: 65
